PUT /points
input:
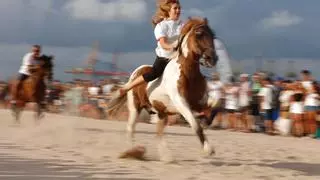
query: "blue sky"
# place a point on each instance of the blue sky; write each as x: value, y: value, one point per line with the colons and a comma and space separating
x: 279, y: 30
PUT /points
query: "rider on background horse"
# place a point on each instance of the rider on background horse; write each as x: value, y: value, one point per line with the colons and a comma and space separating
x: 28, y: 60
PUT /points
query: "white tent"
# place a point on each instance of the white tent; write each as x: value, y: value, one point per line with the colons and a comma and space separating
x: 223, y: 66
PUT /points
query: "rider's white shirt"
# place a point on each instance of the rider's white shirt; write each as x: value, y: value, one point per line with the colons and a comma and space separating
x: 26, y: 61
x: 171, y: 30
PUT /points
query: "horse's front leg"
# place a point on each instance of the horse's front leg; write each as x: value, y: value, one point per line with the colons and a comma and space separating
x: 39, y: 111
x: 186, y: 112
x: 164, y: 152
x: 132, y: 119
x: 16, y: 112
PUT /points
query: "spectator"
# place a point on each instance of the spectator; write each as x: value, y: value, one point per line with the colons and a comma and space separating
x: 231, y: 103
x: 306, y: 79
x: 266, y: 104
x: 284, y: 98
x: 255, y: 103
x: 244, y: 100
x: 296, y: 110
x: 311, y: 107
x: 215, y: 88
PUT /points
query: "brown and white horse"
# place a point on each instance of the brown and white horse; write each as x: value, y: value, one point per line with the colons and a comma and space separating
x: 181, y: 89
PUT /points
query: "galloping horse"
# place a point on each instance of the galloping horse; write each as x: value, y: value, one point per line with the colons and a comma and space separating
x: 33, y: 89
x: 181, y: 89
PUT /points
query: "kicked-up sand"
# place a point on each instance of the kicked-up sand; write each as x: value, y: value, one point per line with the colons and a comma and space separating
x: 79, y: 148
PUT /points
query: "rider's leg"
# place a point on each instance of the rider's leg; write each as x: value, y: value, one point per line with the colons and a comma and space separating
x: 157, y: 70
x: 139, y: 80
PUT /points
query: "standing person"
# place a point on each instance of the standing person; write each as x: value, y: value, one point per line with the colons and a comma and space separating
x: 311, y: 107
x: 285, y: 98
x: 28, y: 60
x: 167, y: 30
x: 266, y: 104
x: 255, y: 102
x: 215, y: 88
x: 231, y: 103
x: 244, y: 101
x: 297, y: 110
x: 277, y: 88
x: 306, y: 79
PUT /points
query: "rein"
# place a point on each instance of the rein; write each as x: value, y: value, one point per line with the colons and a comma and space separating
x: 178, y: 48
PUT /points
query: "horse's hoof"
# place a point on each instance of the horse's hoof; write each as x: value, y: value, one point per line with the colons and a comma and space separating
x: 164, y: 153
x: 41, y: 116
x: 16, y: 123
x: 209, y: 150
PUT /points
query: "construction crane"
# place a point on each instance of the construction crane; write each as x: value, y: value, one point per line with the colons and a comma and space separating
x: 95, y: 68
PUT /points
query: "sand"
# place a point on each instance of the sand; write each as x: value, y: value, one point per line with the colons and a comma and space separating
x: 96, y: 144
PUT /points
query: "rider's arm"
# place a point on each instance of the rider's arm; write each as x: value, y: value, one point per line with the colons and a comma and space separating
x: 165, y: 45
x: 27, y: 61
x: 160, y: 32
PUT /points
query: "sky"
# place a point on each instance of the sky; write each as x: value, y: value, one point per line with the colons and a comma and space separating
x: 252, y: 30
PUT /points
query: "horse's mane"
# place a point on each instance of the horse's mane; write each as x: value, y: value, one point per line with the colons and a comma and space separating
x: 187, y: 27
x: 47, y: 64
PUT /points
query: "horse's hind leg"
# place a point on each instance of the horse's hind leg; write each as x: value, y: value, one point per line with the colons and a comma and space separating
x: 186, y: 112
x: 133, y: 116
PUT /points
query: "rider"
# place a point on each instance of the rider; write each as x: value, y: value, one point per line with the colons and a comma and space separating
x: 167, y: 30
x: 24, y: 72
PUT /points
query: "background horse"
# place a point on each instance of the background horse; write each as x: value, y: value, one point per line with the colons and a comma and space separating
x: 181, y: 89
x: 33, y: 89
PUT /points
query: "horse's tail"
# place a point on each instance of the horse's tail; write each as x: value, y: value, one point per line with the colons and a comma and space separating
x: 117, y: 101
x: 115, y: 104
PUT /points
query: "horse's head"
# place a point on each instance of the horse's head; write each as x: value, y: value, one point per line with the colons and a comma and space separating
x: 198, y: 38
x: 47, y: 65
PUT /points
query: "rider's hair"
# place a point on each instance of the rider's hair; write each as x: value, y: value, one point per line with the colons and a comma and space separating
x: 305, y: 72
x: 162, y: 12
x: 36, y: 46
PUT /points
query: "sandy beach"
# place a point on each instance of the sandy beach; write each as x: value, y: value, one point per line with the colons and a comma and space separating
x: 91, y: 147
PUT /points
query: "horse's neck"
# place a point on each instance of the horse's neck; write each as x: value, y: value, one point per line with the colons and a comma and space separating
x: 191, y: 84
x: 38, y: 77
x: 190, y: 66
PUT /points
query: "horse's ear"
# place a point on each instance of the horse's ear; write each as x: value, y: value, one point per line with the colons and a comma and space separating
x: 51, y: 56
x: 205, y: 20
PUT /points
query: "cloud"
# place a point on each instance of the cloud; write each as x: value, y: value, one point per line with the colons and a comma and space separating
x: 114, y: 10
x: 44, y: 5
x: 281, y: 19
